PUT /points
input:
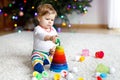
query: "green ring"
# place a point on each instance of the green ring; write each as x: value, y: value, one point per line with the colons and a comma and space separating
x: 44, y: 74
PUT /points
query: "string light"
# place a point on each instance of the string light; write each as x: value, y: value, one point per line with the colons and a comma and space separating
x: 61, y: 16
x: 19, y: 11
x: 68, y: 7
x: 59, y: 29
x: 69, y: 25
x: 19, y: 31
x: 33, y: 7
x: 5, y: 14
x: 13, y: 2
x: 25, y: 1
x: 13, y: 17
x: 35, y: 14
x: 64, y: 24
x: 0, y: 10
x: 15, y: 25
x: 16, y: 17
x: 75, y: 0
x: 74, y: 7
x: 21, y: 8
x: 10, y: 5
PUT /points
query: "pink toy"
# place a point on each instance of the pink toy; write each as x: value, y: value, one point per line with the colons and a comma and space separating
x: 85, y: 52
x: 99, y: 54
x: 64, y: 73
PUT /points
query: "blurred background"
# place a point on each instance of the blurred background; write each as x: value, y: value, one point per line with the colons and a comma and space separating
x: 18, y: 15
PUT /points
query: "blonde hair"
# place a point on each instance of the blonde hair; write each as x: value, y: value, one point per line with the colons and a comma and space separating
x: 44, y: 9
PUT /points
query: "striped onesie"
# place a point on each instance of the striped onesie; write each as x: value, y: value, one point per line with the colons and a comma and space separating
x: 41, y: 48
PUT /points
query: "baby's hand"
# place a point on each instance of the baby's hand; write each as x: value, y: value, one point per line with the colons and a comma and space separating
x: 52, y: 51
x: 53, y: 38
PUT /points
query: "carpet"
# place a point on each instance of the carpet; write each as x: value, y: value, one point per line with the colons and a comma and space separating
x: 15, y: 55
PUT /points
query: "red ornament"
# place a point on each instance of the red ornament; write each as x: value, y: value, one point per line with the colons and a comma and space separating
x: 99, y: 54
x: 21, y: 13
x: 5, y: 14
x: 25, y: 1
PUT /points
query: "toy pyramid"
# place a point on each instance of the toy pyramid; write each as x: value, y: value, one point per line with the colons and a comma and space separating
x: 59, y: 60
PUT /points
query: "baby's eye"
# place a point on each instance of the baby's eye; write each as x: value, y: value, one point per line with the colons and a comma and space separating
x: 47, y: 19
x: 52, y: 19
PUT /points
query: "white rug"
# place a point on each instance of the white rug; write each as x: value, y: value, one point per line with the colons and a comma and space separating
x: 15, y: 54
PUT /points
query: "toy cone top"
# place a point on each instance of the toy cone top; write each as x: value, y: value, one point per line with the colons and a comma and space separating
x: 59, y: 56
x: 59, y: 50
x: 59, y: 60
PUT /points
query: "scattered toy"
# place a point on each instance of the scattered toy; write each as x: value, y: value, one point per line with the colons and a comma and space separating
x: 82, y: 58
x: 99, y: 78
x: 99, y: 54
x: 102, y: 68
x: 64, y: 73
x: 103, y: 75
x: 85, y: 52
x: 112, y: 70
x: 57, y: 76
x: 80, y: 78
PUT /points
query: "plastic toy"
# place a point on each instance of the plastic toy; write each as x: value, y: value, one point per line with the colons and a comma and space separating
x: 85, y: 52
x: 80, y: 78
x: 103, y: 75
x: 59, y: 62
x: 97, y: 74
x: 99, y: 78
x: 45, y: 74
x: 99, y: 54
x: 102, y: 68
x: 82, y: 58
x: 64, y: 73
x: 112, y: 70
x: 57, y: 76
x: 39, y: 76
x: 57, y: 42
x: 35, y: 73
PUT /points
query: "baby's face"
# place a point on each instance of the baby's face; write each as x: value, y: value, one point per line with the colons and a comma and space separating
x: 47, y: 21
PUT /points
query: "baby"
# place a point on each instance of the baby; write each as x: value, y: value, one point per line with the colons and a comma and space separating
x: 45, y: 37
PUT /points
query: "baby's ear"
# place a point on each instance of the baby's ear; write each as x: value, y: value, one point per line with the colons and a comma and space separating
x: 56, y: 35
x: 38, y: 18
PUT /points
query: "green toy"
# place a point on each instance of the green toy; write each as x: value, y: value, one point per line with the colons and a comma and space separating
x: 57, y: 42
x: 102, y: 68
x: 40, y: 76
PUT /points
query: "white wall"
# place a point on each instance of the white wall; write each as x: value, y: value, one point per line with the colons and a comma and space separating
x: 97, y: 14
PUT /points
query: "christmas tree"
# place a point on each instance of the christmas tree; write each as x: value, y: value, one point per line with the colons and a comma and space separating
x: 21, y: 11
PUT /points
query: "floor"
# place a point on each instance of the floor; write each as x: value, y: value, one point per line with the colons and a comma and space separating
x: 5, y: 32
x: 104, y: 31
